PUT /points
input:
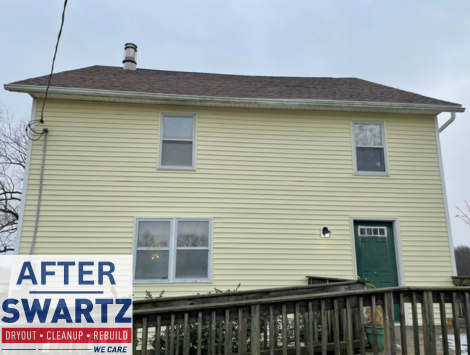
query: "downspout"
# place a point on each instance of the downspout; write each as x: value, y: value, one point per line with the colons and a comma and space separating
x: 41, y: 178
x: 448, y: 122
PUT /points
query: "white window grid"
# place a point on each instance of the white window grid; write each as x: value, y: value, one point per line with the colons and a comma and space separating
x: 193, y: 140
x: 172, y: 250
x: 368, y: 231
x: 383, y: 146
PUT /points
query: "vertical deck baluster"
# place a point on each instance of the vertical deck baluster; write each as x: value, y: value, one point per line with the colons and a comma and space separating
x: 228, y: 333
x: 414, y: 312
x: 324, y: 334
x: 255, y: 330
x: 329, y: 315
x: 455, y: 321
x: 466, y: 309
x: 336, y: 326
x: 310, y: 328
x: 199, y: 333
x: 186, y: 335
x: 389, y: 324
x: 271, y: 330
x: 134, y: 341
x: 284, y: 329
x: 265, y: 333
x: 158, y: 335
x: 276, y: 332
x: 219, y: 342
x: 404, y: 345
x: 297, y: 328
x: 442, y: 311
x: 355, y: 312
x: 349, y: 327
x: 177, y: 339
x: 172, y: 335
x: 212, y: 334
x: 241, y: 332
x: 306, y: 326
x: 362, y: 341
x: 315, y: 327
x: 166, y: 340
x: 373, y: 312
x: 240, y: 329
x: 143, y: 348
x: 245, y: 336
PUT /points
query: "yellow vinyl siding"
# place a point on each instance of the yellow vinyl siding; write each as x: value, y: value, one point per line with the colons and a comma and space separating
x: 268, y: 179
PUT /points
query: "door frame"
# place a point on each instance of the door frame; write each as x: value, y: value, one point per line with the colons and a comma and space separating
x: 396, y: 239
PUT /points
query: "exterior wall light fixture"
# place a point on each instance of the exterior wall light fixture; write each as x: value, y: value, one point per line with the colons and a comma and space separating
x: 325, y: 232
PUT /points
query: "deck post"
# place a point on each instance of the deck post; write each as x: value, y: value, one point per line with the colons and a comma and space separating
x: 389, y: 324
x: 429, y: 330
x: 255, y: 330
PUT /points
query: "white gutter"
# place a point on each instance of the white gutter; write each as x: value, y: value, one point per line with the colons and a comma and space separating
x: 210, y: 101
x: 448, y: 122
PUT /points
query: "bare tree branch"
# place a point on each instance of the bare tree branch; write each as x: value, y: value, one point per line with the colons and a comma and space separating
x: 464, y: 214
x: 13, y: 151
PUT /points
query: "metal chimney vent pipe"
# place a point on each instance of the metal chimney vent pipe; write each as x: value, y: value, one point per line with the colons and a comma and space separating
x: 130, y: 56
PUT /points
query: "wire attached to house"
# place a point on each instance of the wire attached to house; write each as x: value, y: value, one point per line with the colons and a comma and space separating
x: 31, y: 128
x: 53, y: 61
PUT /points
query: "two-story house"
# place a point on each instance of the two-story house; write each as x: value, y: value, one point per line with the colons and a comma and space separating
x: 212, y: 180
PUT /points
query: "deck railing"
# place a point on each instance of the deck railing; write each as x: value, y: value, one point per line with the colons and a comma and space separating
x: 320, y: 320
x: 315, y: 280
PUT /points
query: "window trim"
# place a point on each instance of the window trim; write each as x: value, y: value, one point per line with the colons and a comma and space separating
x: 172, y: 251
x: 384, y: 146
x: 367, y: 235
x: 160, y: 141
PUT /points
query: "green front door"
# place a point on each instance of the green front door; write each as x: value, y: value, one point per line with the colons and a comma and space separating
x: 375, y: 255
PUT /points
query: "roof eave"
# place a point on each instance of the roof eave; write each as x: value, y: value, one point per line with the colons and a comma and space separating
x: 62, y: 93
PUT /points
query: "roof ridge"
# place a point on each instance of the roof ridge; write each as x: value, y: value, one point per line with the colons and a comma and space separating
x: 227, y: 74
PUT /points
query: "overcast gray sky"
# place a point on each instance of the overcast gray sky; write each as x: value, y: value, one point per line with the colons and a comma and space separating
x: 421, y: 46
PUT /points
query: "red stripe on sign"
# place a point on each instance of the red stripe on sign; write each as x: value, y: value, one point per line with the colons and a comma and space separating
x: 67, y: 335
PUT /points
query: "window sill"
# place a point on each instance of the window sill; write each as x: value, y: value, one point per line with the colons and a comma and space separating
x: 171, y: 282
x: 371, y: 173
x: 176, y: 168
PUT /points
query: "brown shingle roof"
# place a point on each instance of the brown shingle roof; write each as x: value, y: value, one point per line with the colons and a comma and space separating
x: 222, y: 85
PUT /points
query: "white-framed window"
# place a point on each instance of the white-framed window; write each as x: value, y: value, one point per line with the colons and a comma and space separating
x: 177, y: 141
x: 370, y: 153
x: 173, y: 250
x: 366, y: 231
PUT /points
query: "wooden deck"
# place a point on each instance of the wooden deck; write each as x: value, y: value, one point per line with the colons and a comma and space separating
x: 319, y: 318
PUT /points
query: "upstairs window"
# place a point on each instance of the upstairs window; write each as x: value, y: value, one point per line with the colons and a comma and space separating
x: 177, y: 140
x: 369, y: 148
x: 172, y: 250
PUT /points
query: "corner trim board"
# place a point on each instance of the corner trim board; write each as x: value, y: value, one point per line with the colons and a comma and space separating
x: 444, y: 196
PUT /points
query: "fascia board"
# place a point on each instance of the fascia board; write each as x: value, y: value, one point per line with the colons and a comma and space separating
x: 210, y: 101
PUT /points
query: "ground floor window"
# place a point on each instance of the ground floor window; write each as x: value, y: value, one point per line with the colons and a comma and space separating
x: 172, y: 250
